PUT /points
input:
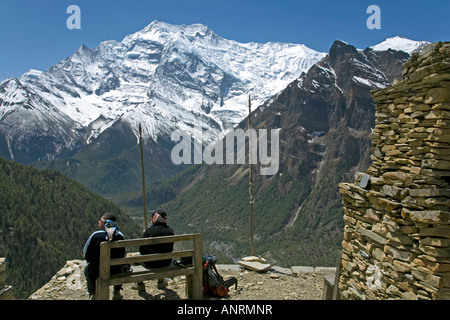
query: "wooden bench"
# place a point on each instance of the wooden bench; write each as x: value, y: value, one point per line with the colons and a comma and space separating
x: 139, y: 273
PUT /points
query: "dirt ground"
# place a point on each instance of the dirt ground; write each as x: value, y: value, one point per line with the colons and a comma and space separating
x: 70, y: 284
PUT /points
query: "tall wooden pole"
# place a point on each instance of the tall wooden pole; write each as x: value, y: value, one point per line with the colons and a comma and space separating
x: 143, y: 179
x: 250, y: 189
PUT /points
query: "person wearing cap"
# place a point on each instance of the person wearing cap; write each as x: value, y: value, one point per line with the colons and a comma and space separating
x: 159, y: 228
x: 108, y: 231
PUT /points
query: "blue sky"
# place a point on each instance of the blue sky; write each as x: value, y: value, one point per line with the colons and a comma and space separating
x: 34, y: 34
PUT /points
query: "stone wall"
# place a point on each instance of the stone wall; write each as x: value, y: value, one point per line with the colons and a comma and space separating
x: 5, y: 290
x: 397, y: 229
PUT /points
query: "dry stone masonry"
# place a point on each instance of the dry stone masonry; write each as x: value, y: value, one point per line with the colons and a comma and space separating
x: 397, y: 229
x: 5, y: 290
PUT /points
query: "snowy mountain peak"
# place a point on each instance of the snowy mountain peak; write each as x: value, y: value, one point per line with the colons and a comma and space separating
x: 163, y: 32
x: 400, y: 44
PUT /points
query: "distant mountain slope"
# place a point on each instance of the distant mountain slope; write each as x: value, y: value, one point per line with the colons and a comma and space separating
x: 45, y: 219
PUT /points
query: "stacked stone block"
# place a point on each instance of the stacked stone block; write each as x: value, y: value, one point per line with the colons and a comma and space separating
x: 5, y: 290
x: 396, y: 241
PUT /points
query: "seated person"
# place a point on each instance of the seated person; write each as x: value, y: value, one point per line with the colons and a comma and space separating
x: 108, y: 231
x: 158, y: 228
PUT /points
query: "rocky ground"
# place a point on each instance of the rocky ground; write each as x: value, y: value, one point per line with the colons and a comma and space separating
x: 296, y: 283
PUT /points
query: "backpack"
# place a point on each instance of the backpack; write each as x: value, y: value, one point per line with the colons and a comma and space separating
x: 213, y: 283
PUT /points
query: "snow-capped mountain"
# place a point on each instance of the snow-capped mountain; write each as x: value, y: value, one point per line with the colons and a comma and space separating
x: 167, y: 77
x: 400, y: 44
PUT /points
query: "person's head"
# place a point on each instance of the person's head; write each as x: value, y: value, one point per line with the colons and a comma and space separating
x: 105, y: 217
x: 159, y: 215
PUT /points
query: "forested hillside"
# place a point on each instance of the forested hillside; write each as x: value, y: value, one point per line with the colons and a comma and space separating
x: 45, y: 219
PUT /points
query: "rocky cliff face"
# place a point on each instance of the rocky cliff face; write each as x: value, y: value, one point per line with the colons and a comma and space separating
x: 332, y: 101
x: 396, y: 240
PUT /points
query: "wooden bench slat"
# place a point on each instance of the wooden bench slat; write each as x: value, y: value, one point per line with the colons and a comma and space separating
x: 151, y: 274
x: 151, y: 257
x: 147, y: 241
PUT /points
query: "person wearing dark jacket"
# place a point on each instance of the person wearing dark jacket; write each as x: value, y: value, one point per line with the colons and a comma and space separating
x: 159, y: 228
x: 108, y: 231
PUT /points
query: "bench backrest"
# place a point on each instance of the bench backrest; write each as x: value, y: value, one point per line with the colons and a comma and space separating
x: 105, y: 252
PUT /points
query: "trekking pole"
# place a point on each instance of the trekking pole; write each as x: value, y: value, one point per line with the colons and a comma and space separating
x: 252, y: 245
x: 143, y: 179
